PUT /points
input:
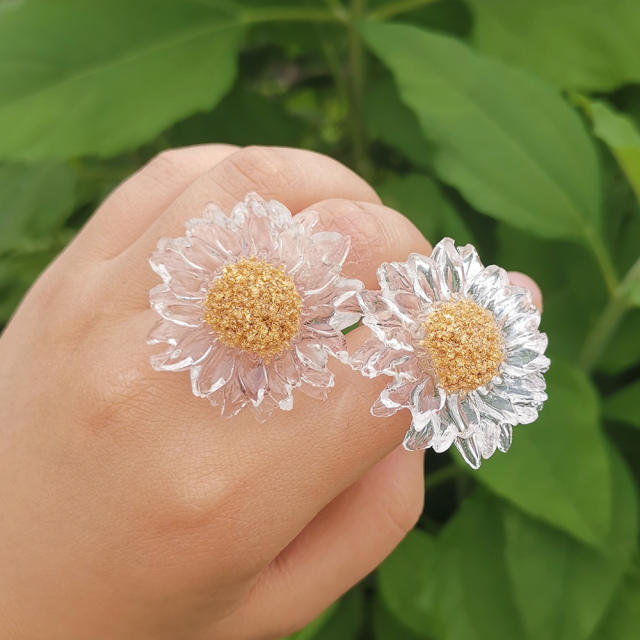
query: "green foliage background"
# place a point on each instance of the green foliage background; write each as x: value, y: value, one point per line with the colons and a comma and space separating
x: 514, y: 125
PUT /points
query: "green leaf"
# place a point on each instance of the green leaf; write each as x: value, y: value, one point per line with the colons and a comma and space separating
x: 505, y: 139
x: 347, y: 620
x: 619, y: 133
x: 343, y: 619
x: 390, y: 121
x: 565, y: 272
x: 623, y: 352
x: 407, y: 581
x: 622, y: 621
x: 420, y: 198
x: 243, y: 117
x: 94, y: 81
x: 589, y: 45
x: 18, y: 269
x: 35, y: 202
x: 623, y: 405
x: 454, y: 587
x: 558, y: 468
x: 561, y: 586
x: 387, y: 627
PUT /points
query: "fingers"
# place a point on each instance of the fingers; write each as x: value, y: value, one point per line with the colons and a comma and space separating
x: 346, y: 541
x: 378, y: 234
x: 138, y: 201
x: 295, y: 177
x: 523, y: 280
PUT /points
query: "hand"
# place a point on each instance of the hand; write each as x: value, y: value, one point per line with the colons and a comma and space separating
x: 128, y: 508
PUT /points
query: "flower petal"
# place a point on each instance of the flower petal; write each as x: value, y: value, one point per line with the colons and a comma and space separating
x: 417, y: 437
x: 449, y: 265
x: 394, y: 396
x: 468, y: 448
x: 425, y: 282
x: 214, y: 372
x: 373, y: 358
x: 506, y: 435
x: 169, y: 306
x: 253, y: 378
x: 191, y: 348
x: 471, y: 263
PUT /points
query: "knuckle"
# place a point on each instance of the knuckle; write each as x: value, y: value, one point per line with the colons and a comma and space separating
x: 163, y: 163
x: 264, y: 169
x: 369, y: 236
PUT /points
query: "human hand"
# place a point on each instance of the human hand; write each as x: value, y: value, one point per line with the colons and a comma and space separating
x: 128, y: 508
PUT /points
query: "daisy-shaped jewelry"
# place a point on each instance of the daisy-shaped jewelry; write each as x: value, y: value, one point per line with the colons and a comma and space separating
x: 252, y: 302
x: 462, y: 347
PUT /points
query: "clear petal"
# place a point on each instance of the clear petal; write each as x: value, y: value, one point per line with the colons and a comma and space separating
x: 449, y: 264
x: 234, y: 398
x: 393, y: 397
x: 394, y: 277
x: 506, y: 435
x: 214, y: 372
x: 373, y: 358
x: 317, y: 393
x: 418, y: 438
x: 468, y: 448
x: 329, y: 338
x: 318, y: 378
x: 172, y: 308
x: 471, y: 264
x: 426, y: 283
x: 489, y: 287
x: 253, y: 378
x: 191, y: 348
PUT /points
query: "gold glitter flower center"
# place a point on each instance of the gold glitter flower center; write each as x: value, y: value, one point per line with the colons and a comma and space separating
x: 464, y: 344
x: 255, y: 307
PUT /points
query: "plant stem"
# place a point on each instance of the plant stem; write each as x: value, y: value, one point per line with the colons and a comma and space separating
x: 603, y: 258
x: 395, y: 8
x: 356, y: 93
x: 608, y: 321
x: 291, y: 14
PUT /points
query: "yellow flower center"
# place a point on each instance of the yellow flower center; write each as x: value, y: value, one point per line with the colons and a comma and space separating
x: 255, y: 307
x: 464, y: 344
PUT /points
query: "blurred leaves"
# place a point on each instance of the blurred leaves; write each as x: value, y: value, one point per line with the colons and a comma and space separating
x: 537, y: 173
x: 421, y: 199
x: 535, y: 474
x: 624, y: 404
x: 494, y: 572
x: 342, y: 620
x: 585, y: 45
x: 622, y: 621
x: 101, y: 78
x: 562, y: 588
x: 454, y: 586
x: 390, y: 121
x: 619, y: 133
x: 35, y: 202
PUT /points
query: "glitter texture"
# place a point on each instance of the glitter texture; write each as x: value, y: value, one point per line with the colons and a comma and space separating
x: 464, y: 345
x: 462, y: 348
x: 252, y: 303
x: 255, y: 307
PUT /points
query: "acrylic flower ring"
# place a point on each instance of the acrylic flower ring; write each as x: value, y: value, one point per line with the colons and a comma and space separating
x: 462, y: 347
x: 251, y: 303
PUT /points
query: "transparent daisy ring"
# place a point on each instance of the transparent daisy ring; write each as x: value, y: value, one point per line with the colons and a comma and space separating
x: 252, y: 303
x: 462, y: 347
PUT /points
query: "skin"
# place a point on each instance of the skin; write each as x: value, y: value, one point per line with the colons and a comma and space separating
x: 128, y: 508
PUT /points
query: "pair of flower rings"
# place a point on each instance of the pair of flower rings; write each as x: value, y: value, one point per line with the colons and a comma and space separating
x: 253, y: 302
